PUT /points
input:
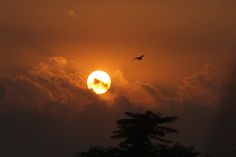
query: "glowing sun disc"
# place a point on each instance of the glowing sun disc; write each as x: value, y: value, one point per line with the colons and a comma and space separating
x: 99, y: 82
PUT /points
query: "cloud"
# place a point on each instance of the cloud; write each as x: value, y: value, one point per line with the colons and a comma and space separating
x: 46, y: 86
x: 51, y: 85
x: 143, y: 93
x: 56, y: 82
x: 71, y: 13
x: 204, y: 88
x: 60, y: 61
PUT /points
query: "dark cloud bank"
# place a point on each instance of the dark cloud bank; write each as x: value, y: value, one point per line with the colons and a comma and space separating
x: 48, y: 111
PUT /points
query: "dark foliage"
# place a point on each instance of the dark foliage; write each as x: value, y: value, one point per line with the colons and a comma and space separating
x: 143, y: 135
x: 101, y: 152
x: 177, y: 150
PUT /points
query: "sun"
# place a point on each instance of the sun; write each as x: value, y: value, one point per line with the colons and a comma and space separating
x: 99, y: 82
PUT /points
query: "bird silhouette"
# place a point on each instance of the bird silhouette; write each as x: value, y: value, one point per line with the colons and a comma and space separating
x: 139, y: 58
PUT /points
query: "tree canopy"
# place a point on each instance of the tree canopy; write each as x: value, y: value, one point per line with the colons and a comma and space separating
x: 143, y: 135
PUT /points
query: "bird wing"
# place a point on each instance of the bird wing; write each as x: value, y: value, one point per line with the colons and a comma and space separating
x: 139, y: 57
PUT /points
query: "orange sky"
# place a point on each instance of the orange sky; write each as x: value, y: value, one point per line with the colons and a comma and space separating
x: 179, y: 38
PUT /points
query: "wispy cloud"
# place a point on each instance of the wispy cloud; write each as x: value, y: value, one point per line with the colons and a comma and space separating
x: 54, y: 82
x: 71, y: 13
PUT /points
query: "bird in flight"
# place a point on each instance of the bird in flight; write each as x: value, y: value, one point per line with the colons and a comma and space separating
x: 139, y: 58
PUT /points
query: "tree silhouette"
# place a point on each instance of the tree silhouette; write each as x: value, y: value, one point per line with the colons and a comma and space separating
x: 177, y: 150
x: 101, y: 152
x: 140, y: 133
x: 143, y: 135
